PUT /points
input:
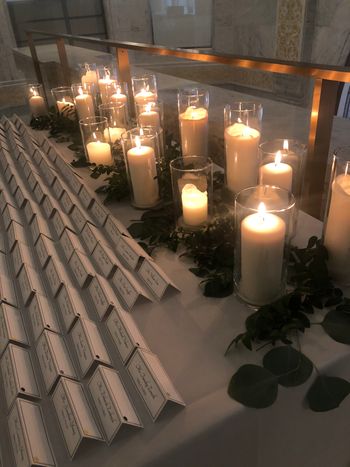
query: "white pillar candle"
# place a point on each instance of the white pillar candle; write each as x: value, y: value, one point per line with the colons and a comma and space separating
x: 114, y: 133
x: 104, y: 84
x: 194, y: 131
x: 66, y: 108
x: 262, y: 247
x: 194, y: 205
x: 143, y: 172
x: 84, y: 104
x: 118, y: 97
x: 149, y: 117
x: 37, y: 105
x: 89, y: 77
x: 337, y: 234
x: 99, y: 153
x: 277, y: 173
x: 241, y: 145
x: 145, y: 96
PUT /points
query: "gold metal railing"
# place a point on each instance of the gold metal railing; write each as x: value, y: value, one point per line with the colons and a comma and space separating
x: 326, y: 83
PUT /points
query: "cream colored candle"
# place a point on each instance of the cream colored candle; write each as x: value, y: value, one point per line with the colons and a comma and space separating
x: 104, y: 85
x: 194, y: 205
x: 89, y: 77
x: 241, y: 145
x: 37, y: 104
x: 145, y: 96
x: 84, y: 104
x: 277, y: 173
x: 262, y: 248
x: 149, y: 117
x: 99, y: 153
x: 194, y: 131
x: 114, y: 133
x: 143, y: 173
x: 118, y: 97
x: 66, y: 108
x: 337, y: 233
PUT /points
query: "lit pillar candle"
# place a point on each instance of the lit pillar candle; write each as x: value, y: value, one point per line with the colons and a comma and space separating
x: 143, y: 173
x: 241, y: 145
x: 118, y: 97
x: 194, y: 131
x: 66, y: 108
x: 337, y: 234
x: 84, y: 104
x: 37, y: 104
x: 145, y: 96
x: 89, y: 77
x: 277, y: 173
x: 99, y: 153
x: 104, y: 84
x: 262, y: 248
x: 149, y: 117
x: 113, y: 133
x: 194, y: 205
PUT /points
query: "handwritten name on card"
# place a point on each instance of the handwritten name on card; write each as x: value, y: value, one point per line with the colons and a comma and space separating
x: 81, y: 268
x: 71, y: 306
x: 99, y: 213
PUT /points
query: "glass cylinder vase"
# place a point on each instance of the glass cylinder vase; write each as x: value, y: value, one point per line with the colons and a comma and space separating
x: 142, y: 156
x: 36, y: 100
x: 84, y: 100
x: 63, y: 97
x: 88, y: 73
x: 144, y: 88
x: 242, y: 122
x: 117, y: 119
x: 264, y: 226
x: 192, y: 185
x: 337, y: 217
x: 96, y: 140
x: 106, y: 78
x: 150, y: 114
x: 193, y: 105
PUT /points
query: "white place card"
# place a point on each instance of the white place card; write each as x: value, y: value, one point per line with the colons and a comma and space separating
x: 11, y: 214
x: 21, y: 254
x: 152, y: 382
x: 3, y: 248
x: 6, y: 198
x: 28, y: 169
x: 128, y: 288
x: 39, y: 192
x: 50, y: 205
x: 23, y: 158
x: 118, y: 225
x: 74, y: 415
x: 105, y: 259
x: 82, y: 268
x: 71, y: 306
x: 9, y: 173
x: 13, y: 185
x: 45, y: 249
x: 112, y: 402
x: 85, y: 197
x: 66, y: 202
x: 91, y: 235
x: 52, y: 154
x: 5, y: 160
x: 88, y: 345
x: 58, y: 188
x: 3, y: 265
x: 7, y: 291
x: 33, y: 179
x: 62, y: 165
x: 54, y: 359
x: 37, y: 156
x: 60, y: 221
x: 18, y: 374
x: 99, y: 213
x: 155, y: 278
x: 73, y: 181
x: 48, y: 172
x: 30, y: 209
x: 46, y: 145
x: 39, y: 226
x: 111, y: 227
x: 130, y: 251
x: 30, y: 443
x: 79, y: 218
x: 102, y: 296
x: 125, y: 333
x: 70, y: 242
x: 21, y: 196
x: 11, y: 327
x: 15, y: 233
x: 29, y: 283
x: 42, y: 316
x: 56, y: 275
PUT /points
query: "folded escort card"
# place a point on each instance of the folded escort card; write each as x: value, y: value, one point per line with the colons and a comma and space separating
x: 71, y: 306
x: 54, y: 359
x: 7, y: 291
x: 125, y: 333
x: 39, y: 226
x: 45, y: 249
x: 102, y: 296
x: 9, y: 215
x: 155, y: 278
x: 152, y: 382
x: 42, y: 316
x: 74, y: 415
x: 105, y: 259
x: 30, y: 443
x: 82, y: 268
x: 70, y: 242
x: 31, y: 208
x: 128, y: 288
x: 48, y: 171
x: 79, y: 218
x: 21, y: 254
x: 11, y: 327
x: 56, y: 275
x: 15, y: 233
x: 60, y: 221
x: 29, y: 283
x: 50, y: 205
x: 91, y: 235
x: 67, y: 202
x: 86, y: 197
x: 18, y: 375
x: 112, y: 403
x: 99, y: 213
x: 88, y: 345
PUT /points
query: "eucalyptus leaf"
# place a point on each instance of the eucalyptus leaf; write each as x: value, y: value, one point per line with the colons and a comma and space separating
x: 327, y: 393
x: 337, y: 325
x: 253, y: 386
x: 292, y: 367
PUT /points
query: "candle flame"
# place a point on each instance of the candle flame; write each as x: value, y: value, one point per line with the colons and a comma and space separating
x: 64, y: 100
x: 107, y: 73
x: 278, y: 158
x: 148, y: 107
x: 94, y: 136
x: 137, y: 141
x: 141, y: 131
x: 239, y: 120
x: 286, y: 145
x: 118, y: 91
x: 246, y: 131
x: 262, y: 211
x: 80, y: 91
x: 35, y: 92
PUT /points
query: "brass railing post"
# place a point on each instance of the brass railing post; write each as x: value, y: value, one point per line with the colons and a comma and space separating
x: 62, y: 53
x: 36, y: 62
x: 321, y: 122
x: 122, y: 57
